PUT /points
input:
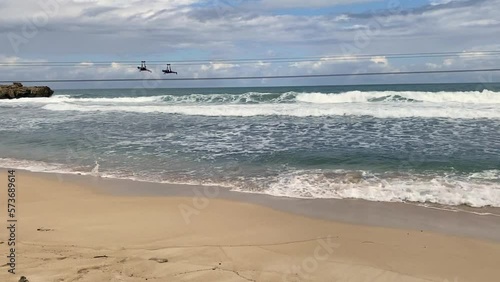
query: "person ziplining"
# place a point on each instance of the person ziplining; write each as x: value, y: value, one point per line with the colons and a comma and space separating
x: 143, y: 67
x: 168, y: 70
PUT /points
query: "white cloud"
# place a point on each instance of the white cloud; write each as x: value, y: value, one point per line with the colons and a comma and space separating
x: 379, y: 60
x: 342, y: 18
x: 10, y: 60
x: 432, y: 66
x: 448, y: 62
x: 17, y: 60
x: 479, y: 23
x: 212, y: 67
x: 262, y: 64
x: 439, y: 2
x: 284, y: 4
x: 173, y: 30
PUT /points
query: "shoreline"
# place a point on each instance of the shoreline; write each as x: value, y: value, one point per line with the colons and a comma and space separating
x: 439, y: 198
x: 464, y: 222
x: 88, y: 229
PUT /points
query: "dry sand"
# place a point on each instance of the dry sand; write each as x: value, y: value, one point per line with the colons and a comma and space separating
x: 68, y: 231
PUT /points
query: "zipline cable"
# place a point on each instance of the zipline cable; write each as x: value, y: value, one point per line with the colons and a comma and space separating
x: 465, y: 54
x: 251, y: 77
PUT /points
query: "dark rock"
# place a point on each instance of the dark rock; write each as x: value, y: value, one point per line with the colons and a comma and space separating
x: 17, y: 90
x: 159, y: 260
x: 23, y: 279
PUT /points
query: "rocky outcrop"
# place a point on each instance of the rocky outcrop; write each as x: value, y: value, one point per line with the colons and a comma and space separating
x: 17, y: 90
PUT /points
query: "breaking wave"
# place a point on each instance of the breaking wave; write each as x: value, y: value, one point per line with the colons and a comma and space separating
x: 297, y: 110
x: 450, y: 190
x: 475, y: 97
x: 472, y: 97
x: 380, y: 104
x: 480, y: 189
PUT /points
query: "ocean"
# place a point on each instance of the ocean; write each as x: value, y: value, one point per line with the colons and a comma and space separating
x: 436, y: 143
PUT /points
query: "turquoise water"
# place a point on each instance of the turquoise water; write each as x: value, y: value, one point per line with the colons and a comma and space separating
x: 421, y: 143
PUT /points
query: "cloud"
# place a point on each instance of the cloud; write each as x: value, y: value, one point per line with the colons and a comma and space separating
x: 479, y: 23
x: 218, y: 66
x: 289, y: 4
x: 380, y: 60
x: 439, y: 2
x: 341, y: 18
x: 134, y: 30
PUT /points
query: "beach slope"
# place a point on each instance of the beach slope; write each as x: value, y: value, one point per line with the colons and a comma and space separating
x: 67, y: 231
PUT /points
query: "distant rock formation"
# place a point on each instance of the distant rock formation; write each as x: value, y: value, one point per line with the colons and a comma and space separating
x: 17, y: 90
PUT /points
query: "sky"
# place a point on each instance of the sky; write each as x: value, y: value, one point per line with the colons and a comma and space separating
x: 121, y: 33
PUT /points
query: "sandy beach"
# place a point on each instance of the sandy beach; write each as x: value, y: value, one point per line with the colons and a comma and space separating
x: 72, y: 229
x: 250, y: 141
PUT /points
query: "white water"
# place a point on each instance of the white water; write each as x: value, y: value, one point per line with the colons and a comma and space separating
x: 379, y: 110
x: 475, y: 189
x: 381, y: 104
x: 450, y: 190
x: 474, y: 97
x: 471, y: 97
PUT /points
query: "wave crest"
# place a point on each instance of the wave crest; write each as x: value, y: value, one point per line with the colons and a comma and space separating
x: 446, y: 190
x: 381, y: 104
x: 474, y: 97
